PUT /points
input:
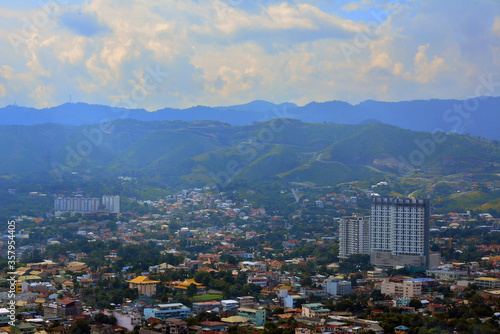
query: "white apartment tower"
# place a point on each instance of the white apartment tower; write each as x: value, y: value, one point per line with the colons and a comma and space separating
x: 76, y: 204
x: 354, y: 236
x: 399, y: 232
x: 111, y: 203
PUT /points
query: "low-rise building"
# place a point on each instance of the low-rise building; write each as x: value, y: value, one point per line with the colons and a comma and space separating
x: 256, y: 317
x: 407, y: 288
x: 449, y: 275
x: 4, y: 316
x: 164, y: 311
x: 487, y: 282
x: 337, y: 287
x: 260, y: 281
x: 62, y: 309
x: 246, y: 301
x: 144, y: 285
x: 314, y: 310
x: 126, y: 319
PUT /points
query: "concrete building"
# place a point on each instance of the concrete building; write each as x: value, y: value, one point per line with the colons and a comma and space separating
x: 354, y: 236
x: 399, y: 232
x: 487, y: 282
x: 314, y: 310
x: 4, y: 316
x: 111, y: 203
x: 76, y: 204
x: 292, y: 301
x: 164, y: 311
x: 258, y: 280
x: 206, y: 306
x: 336, y: 287
x: 256, y: 317
x: 246, y: 301
x: 407, y: 288
x: 449, y: 275
x: 144, y: 285
x: 62, y: 309
x: 126, y: 319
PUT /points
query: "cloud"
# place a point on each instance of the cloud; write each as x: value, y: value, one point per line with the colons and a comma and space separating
x: 496, y: 26
x: 222, y: 52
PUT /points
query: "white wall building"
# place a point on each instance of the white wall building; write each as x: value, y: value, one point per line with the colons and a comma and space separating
x: 354, y: 236
x: 399, y: 232
x: 111, y: 203
x: 126, y: 319
x: 76, y: 204
x: 336, y: 287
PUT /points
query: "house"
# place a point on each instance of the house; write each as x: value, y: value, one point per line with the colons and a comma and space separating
x: 401, y: 330
x: 213, y: 326
x: 260, y: 281
x: 314, y: 310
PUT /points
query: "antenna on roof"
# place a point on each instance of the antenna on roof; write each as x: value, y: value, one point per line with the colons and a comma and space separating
x: 69, y: 98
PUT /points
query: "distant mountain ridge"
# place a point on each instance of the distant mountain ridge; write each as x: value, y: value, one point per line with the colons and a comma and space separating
x: 210, y: 152
x: 478, y: 117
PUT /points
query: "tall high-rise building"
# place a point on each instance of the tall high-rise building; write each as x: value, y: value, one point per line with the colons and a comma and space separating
x: 76, y: 204
x: 354, y: 236
x: 399, y: 232
x: 111, y: 203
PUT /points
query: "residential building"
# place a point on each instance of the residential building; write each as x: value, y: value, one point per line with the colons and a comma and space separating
x: 229, y: 307
x: 487, y: 282
x: 4, y: 316
x: 175, y: 326
x: 336, y: 287
x: 399, y: 232
x: 354, y: 237
x: 254, y: 316
x: 292, y: 301
x: 126, y: 319
x: 449, y: 275
x: 144, y: 285
x: 407, y: 288
x: 62, y: 309
x: 260, y: 281
x: 164, y: 311
x: 314, y: 310
x: 76, y: 204
x: 111, y: 203
x: 206, y: 306
x: 246, y: 301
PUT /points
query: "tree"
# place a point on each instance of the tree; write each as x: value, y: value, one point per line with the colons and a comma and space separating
x: 271, y: 328
x: 415, y: 303
x: 79, y: 327
x: 191, y: 291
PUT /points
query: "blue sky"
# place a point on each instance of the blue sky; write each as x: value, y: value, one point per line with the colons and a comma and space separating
x: 226, y: 52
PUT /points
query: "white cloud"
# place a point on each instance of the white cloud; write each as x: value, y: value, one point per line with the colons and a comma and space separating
x: 218, y: 52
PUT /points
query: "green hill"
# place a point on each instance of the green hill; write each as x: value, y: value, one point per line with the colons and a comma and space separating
x: 177, y: 153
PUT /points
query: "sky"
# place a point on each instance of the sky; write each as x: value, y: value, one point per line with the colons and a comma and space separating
x: 153, y: 54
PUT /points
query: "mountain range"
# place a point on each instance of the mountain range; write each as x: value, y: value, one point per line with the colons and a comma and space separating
x: 212, y: 152
x: 477, y: 117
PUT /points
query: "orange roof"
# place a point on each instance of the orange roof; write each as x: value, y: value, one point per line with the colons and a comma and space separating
x: 142, y: 280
